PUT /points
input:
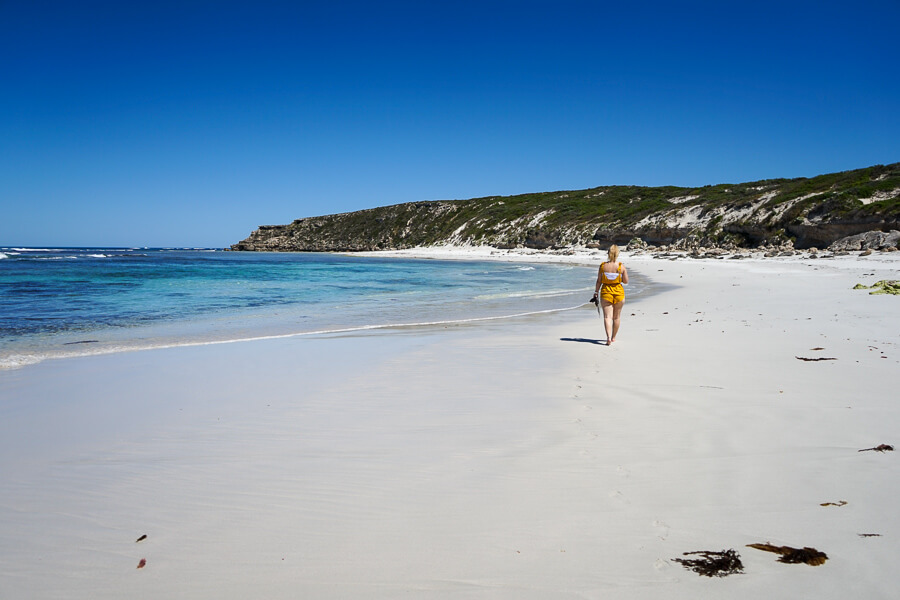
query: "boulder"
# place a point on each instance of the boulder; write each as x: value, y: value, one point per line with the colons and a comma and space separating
x: 871, y: 240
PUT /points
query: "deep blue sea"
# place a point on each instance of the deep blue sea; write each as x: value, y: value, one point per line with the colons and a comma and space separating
x: 58, y: 302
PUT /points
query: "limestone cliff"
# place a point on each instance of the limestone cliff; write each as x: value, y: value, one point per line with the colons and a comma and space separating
x: 809, y: 211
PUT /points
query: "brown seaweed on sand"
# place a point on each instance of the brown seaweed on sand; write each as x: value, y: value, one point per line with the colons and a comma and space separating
x: 809, y: 556
x: 142, y: 564
x: 141, y: 539
x: 713, y: 564
x: 839, y: 503
x: 813, y: 359
x: 879, y: 448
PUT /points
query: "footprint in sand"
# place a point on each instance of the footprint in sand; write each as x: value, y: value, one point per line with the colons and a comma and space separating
x: 623, y: 471
x: 662, y: 530
x: 617, y: 495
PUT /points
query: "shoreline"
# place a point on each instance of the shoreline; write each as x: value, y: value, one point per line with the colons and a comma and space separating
x: 439, y: 295
x: 160, y: 336
x: 510, y: 459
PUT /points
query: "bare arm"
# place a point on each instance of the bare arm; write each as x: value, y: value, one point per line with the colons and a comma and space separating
x: 624, y: 274
x: 599, y: 282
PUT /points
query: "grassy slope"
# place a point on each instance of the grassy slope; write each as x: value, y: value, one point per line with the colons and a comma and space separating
x: 575, y: 216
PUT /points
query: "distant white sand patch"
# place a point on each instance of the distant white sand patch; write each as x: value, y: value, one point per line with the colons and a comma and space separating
x: 682, y: 199
x: 691, y: 217
x: 808, y: 196
x: 743, y: 213
x: 782, y: 208
x: 880, y: 196
x: 688, y: 217
x: 455, y: 238
x: 539, y: 218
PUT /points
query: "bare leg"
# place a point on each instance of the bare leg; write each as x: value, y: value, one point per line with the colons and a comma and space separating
x: 616, y: 319
x: 608, y: 321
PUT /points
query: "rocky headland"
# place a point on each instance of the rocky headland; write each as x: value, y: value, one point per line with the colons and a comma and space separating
x: 842, y: 212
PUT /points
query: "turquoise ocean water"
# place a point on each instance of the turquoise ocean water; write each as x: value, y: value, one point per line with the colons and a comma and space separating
x: 59, y: 302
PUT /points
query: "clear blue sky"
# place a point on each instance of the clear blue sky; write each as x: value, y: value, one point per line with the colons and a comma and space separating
x: 189, y: 123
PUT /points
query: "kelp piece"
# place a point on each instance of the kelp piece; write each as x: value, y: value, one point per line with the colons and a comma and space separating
x: 807, y: 555
x: 879, y: 448
x: 885, y: 286
x: 713, y: 564
x: 814, y: 359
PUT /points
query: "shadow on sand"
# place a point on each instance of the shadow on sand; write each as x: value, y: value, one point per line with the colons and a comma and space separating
x: 584, y: 341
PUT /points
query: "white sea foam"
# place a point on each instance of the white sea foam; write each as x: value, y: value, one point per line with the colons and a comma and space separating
x: 529, y: 294
x: 2, y: 256
x: 16, y: 361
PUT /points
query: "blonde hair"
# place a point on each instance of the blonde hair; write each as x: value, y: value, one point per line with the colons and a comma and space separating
x: 613, y: 253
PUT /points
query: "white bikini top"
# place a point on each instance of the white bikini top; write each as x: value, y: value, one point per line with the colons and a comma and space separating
x: 614, y: 277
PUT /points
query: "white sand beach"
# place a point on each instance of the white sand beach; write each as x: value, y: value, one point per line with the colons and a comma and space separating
x: 505, y: 459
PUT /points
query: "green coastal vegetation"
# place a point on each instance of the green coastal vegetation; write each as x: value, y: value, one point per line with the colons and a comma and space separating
x: 809, y: 212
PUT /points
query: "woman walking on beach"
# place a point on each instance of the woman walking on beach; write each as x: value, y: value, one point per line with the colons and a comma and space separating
x: 611, y: 276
